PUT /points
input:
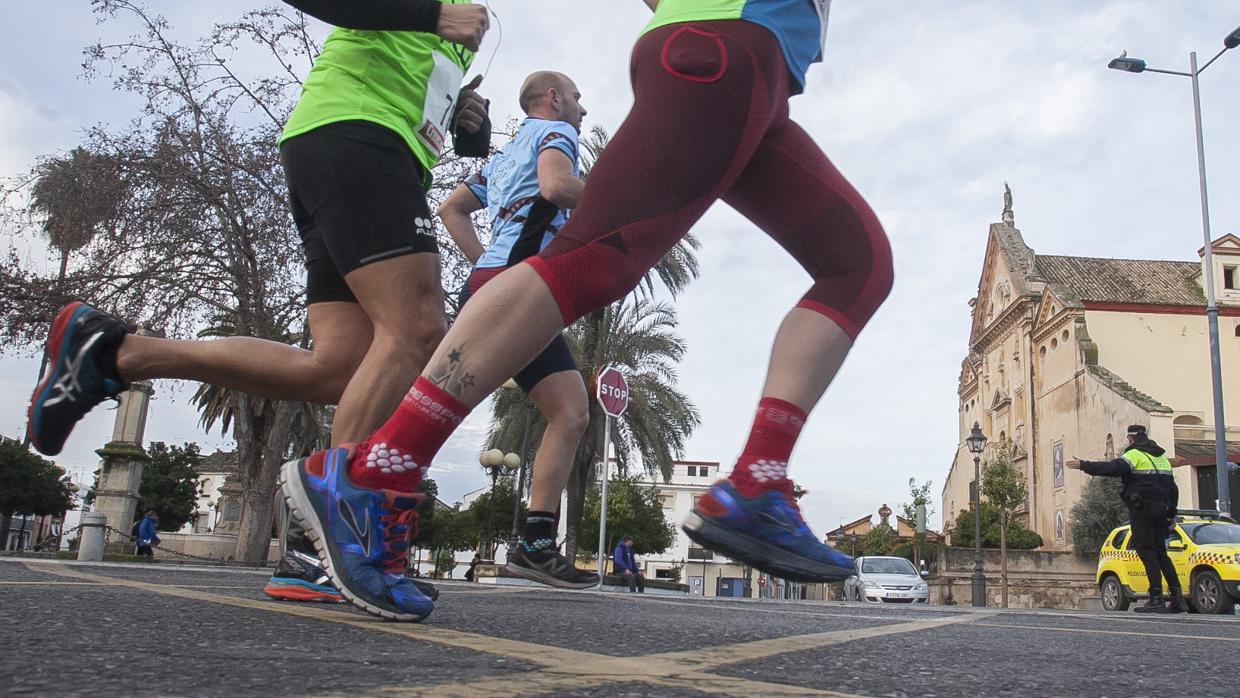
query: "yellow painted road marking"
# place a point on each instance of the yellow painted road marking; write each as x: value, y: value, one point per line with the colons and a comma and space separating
x: 563, y: 669
x: 1133, y: 633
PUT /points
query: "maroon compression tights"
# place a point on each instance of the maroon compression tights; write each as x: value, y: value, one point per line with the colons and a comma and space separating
x: 710, y: 121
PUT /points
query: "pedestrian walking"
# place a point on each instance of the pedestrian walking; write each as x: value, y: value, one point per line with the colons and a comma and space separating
x: 1151, y: 496
x: 148, y: 535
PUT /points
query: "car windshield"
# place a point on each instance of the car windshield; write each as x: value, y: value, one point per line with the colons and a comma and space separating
x: 893, y: 565
x: 1217, y: 532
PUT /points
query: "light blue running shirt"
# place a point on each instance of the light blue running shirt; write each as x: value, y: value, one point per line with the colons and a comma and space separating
x: 522, y: 222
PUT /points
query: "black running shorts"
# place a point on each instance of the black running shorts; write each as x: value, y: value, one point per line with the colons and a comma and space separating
x: 357, y: 197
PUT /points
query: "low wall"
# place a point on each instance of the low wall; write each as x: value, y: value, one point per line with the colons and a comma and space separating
x: 215, y: 546
x: 1036, y: 579
x: 496, y: 574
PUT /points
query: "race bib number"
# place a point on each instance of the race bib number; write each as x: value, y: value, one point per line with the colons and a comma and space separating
x: 442, y: 88
x: 824, y: 9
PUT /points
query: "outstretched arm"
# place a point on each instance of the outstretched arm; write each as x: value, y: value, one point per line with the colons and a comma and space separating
x: 1107, y: 468
x: 455, y: 213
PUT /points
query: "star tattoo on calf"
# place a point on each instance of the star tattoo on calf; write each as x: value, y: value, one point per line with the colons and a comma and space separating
x: 453, y: 378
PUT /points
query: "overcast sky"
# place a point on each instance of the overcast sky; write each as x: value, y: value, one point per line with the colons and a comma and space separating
x: 928, y: 107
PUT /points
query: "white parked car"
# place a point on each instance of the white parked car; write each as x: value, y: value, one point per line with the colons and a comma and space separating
x: 886, y: 579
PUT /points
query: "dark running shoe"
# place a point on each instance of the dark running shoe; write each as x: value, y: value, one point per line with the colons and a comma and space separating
x: 550, y: 567
x: 767, y: 532
x: 74, y: 381
x: 300, y: 577
x: 1156, y: 604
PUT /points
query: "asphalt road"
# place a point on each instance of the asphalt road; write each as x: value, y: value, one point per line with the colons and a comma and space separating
x: 163, y: 630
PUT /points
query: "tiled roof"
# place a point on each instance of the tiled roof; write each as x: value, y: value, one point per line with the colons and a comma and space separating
x: 218, y: 462
x: 1202, y: 449
x: 1123, y: 280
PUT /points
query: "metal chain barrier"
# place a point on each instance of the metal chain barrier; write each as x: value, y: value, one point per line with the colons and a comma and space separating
x: 39, y: 545
x: 177, y: 553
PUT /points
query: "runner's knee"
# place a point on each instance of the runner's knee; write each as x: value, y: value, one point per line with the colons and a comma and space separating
x: 854, y: 274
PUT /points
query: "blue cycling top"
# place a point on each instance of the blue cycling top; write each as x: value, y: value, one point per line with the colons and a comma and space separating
x: 522, y: 221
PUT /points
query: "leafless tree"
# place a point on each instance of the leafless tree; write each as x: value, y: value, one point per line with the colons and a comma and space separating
x: 188, y: 227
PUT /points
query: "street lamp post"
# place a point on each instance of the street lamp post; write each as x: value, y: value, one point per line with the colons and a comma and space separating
x: 1136, y: 65
x: 522, y: 469
x: 496, y: 463
x: 977, y: 444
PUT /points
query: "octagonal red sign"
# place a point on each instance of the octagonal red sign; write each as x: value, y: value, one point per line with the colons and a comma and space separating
x: 612, y: 391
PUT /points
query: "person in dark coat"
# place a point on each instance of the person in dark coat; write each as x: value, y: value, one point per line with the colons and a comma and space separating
x: 148, y: 537
x: 626, y: 565
x: 1151, y: 495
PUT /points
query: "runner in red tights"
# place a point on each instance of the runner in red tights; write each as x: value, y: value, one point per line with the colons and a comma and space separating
x: 712, y: 79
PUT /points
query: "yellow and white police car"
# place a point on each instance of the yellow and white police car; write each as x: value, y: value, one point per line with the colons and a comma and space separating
x: 1203, y: 546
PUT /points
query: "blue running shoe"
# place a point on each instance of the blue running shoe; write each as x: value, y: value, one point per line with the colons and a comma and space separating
x: 361, y: 535
x: 81, y: 373
x: 766, y: 532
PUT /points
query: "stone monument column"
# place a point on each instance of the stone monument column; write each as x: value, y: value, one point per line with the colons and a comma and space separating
x: 120, y: 477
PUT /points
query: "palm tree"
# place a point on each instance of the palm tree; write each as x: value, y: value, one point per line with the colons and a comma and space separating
x: 638, y: 335
x: 78, y: 196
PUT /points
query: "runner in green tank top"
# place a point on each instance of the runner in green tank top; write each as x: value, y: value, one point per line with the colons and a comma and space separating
x: 374, y: 115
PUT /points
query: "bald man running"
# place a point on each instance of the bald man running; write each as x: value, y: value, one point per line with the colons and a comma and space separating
x: 526, y: 190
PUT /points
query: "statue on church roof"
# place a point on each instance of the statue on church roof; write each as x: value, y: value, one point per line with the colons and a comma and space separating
x: 1008, y: 216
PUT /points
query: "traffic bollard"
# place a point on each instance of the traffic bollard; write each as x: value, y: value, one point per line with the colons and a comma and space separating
x: 90, y: 544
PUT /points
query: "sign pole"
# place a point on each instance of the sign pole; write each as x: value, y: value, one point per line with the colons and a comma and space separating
x: 602, y: 522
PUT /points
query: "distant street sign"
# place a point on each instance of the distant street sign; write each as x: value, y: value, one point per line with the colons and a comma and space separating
x: 612, y: 391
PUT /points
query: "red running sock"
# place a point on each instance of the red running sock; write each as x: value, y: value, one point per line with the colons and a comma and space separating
x: 763, y: 465
x: 396, y: 456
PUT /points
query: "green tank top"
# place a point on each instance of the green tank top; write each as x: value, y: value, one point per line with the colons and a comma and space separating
x: 406, y: 81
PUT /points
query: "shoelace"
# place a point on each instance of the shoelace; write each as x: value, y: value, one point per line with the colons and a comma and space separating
x: 399, y: 527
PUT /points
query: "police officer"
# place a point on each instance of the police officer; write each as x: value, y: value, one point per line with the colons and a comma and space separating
x: 1151, y: 495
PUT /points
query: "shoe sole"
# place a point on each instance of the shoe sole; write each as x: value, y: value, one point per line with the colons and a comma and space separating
x: 543, y: 578
x: 293, y: 591
x: 62, y: 333
x: 760, y: 554
x: 299, y: 503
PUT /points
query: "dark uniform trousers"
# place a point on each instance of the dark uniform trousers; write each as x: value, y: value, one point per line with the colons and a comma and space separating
x: 1150, y: 528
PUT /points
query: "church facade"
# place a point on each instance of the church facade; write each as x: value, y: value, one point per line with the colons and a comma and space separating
x: 1065, y: 352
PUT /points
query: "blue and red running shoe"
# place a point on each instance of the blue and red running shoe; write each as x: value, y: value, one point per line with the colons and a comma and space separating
x: 81, y: 373
x: 767, y: 532
x: 361, y: 535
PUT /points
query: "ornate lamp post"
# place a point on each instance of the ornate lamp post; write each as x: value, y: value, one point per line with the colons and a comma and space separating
x: 977, y: 443
x: 496, y: 463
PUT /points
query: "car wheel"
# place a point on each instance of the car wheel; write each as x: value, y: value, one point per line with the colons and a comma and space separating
x: 1113, y: 596
x: 1209, y: 595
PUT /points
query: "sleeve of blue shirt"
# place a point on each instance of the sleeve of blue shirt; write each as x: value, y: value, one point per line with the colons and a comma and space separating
x: 561, y: 136
x: 477, y: 183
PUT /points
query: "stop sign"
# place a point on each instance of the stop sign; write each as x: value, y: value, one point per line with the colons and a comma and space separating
x: 612, y: 391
